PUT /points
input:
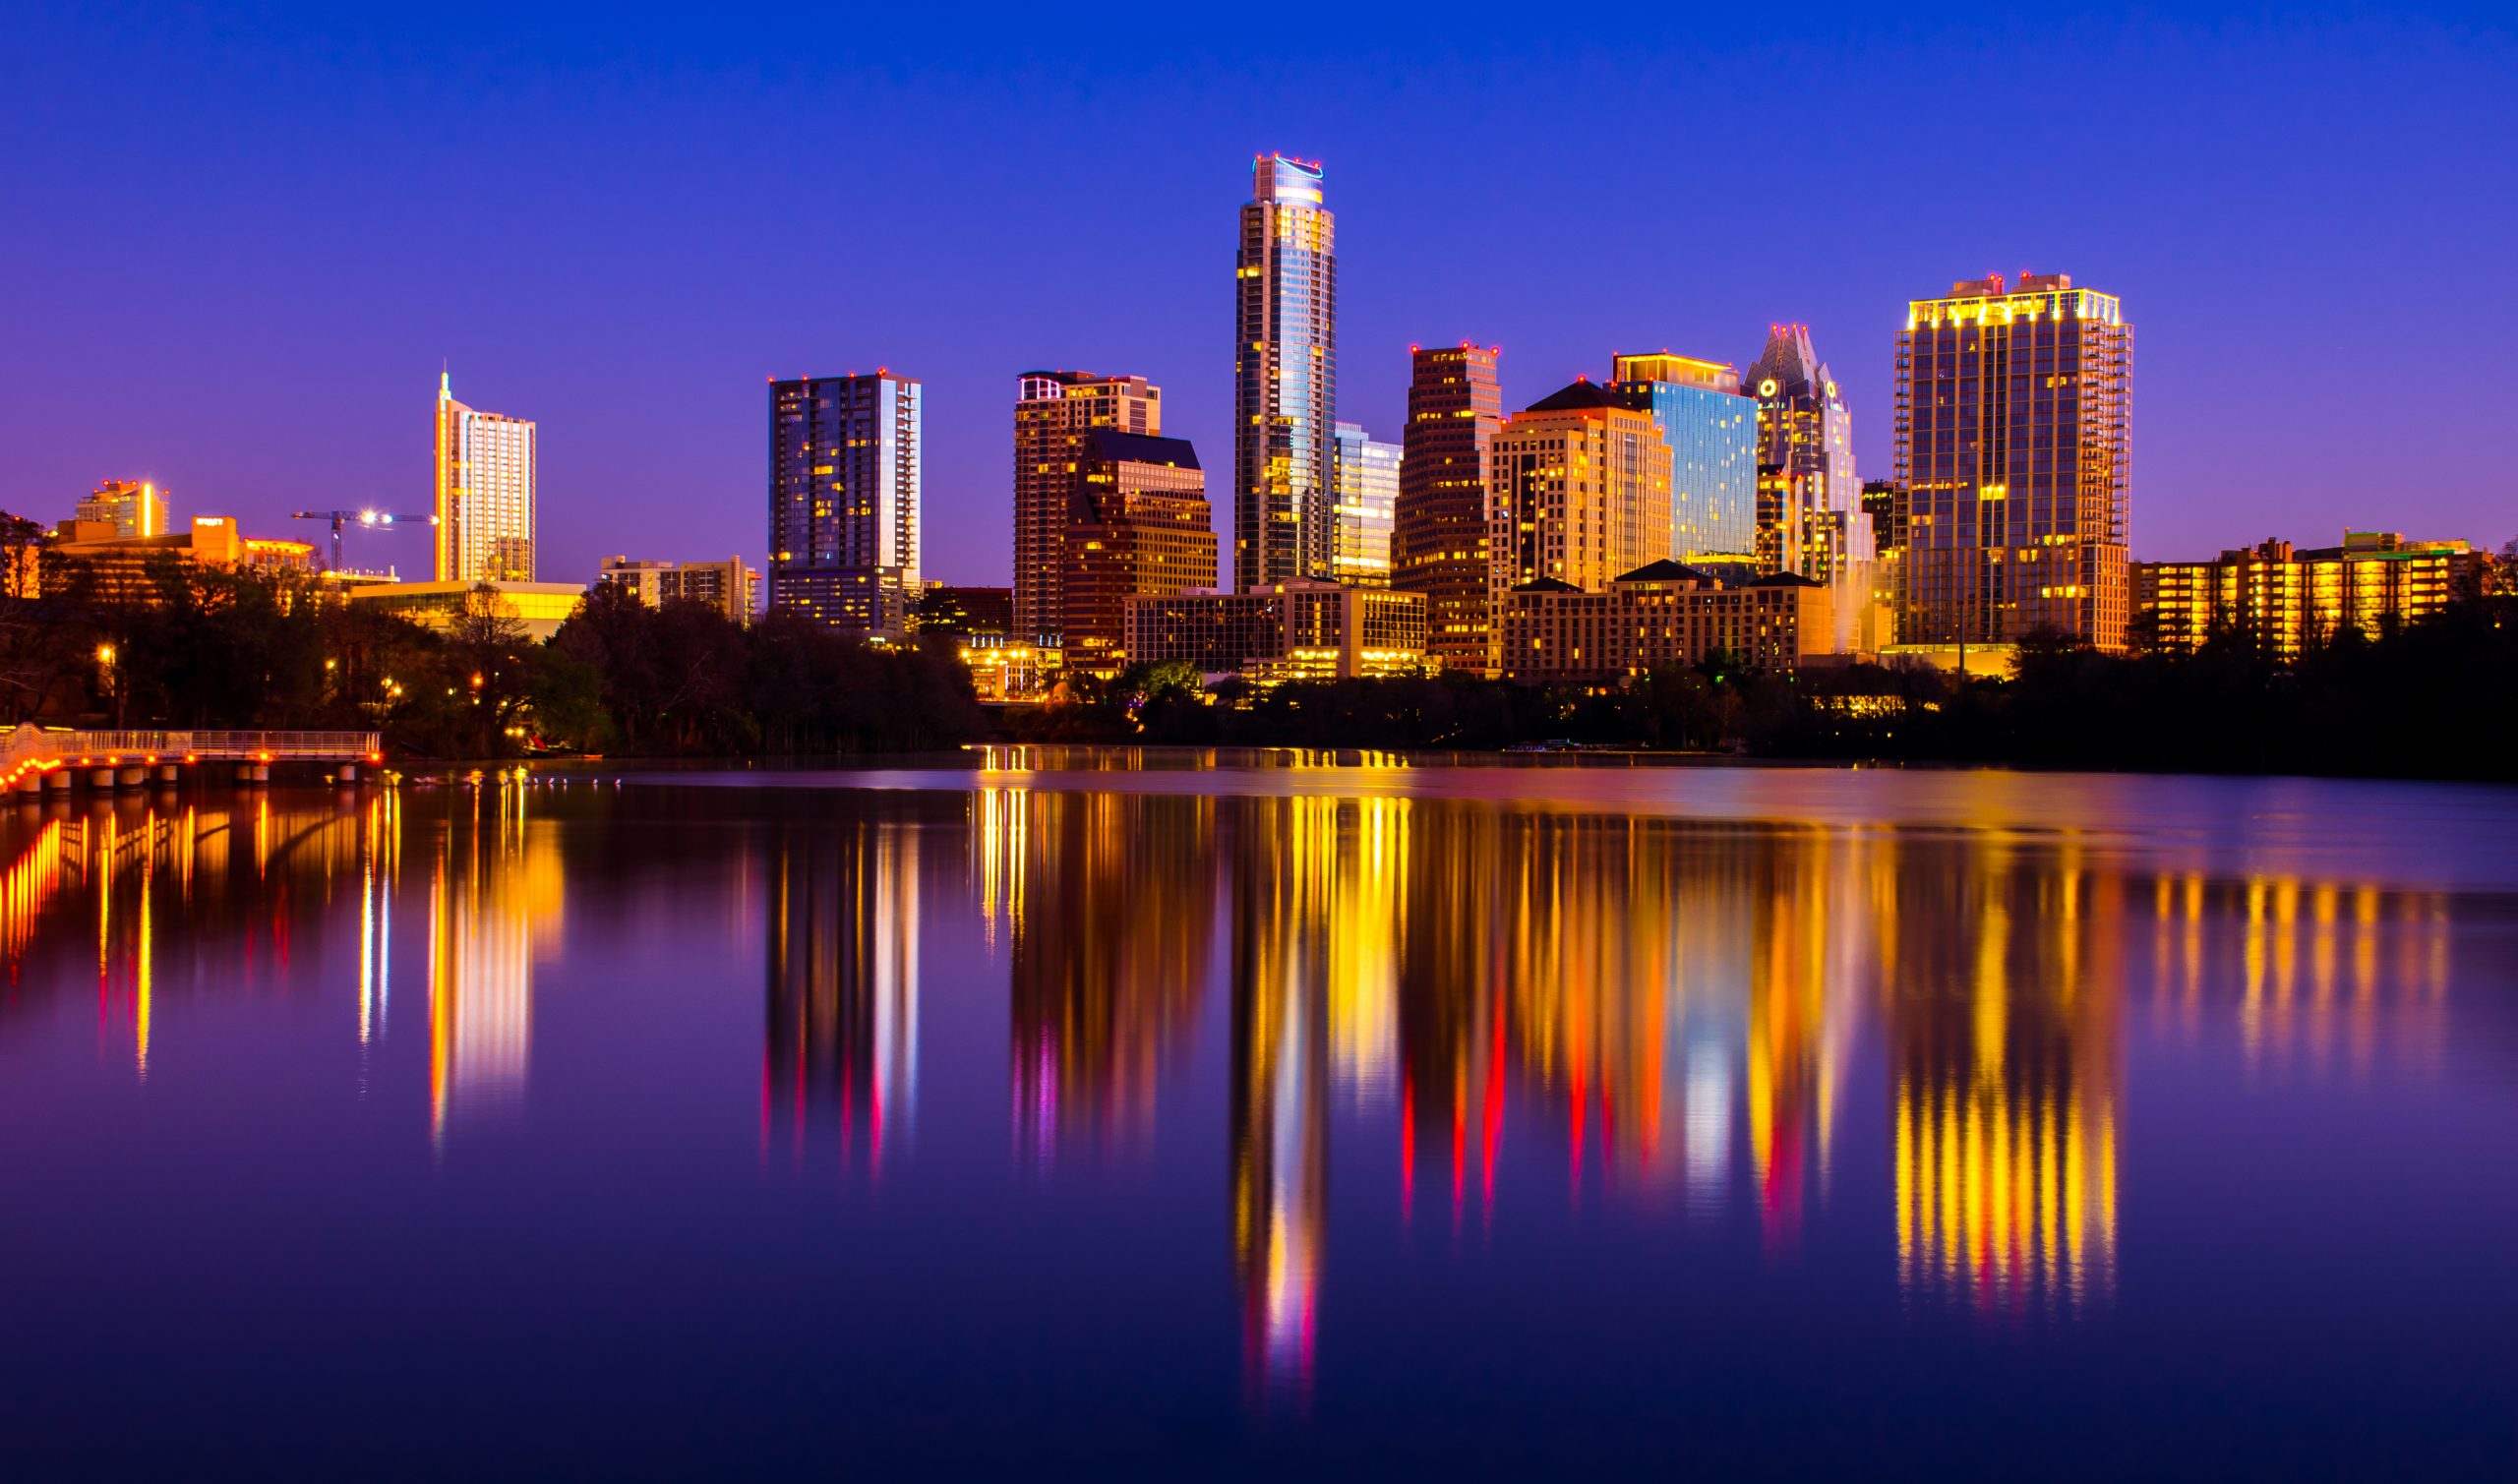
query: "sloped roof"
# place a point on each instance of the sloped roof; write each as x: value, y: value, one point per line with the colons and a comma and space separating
x: 1580, y: 397
x: 1666, y: 571
x: 1547, y: 585
x: 1140, y: 449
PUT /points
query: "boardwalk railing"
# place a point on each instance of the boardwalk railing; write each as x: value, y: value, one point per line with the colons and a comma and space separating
x: 30, y: 747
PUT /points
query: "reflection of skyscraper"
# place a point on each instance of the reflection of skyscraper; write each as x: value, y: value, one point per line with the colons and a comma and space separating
x: 1286, y: 378
x: 1108, y: 955
x: 495, y: 896
x: 844, y: 982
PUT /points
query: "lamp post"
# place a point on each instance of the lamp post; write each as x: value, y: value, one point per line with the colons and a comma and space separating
x: 112, y: 678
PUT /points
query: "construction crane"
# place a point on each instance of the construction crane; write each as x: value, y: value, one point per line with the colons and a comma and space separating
x: 366, y: 519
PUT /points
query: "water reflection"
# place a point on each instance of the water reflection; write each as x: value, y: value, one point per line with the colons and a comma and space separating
x: 843, y: 974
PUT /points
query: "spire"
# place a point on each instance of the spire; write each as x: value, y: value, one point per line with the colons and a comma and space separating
x: 1790, y: 363
x: 445, y: 383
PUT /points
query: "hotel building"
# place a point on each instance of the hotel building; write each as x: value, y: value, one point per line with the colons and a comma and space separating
x: 1283, y: 630
x: 2012, y: 442
x: 1664, y: 614
x: 1438, y: 529
x: 2284, y: 601
x: 730, y: 586
x: 1054, y: 413
x: 1578, y: 492
x: 1285, y: 378
x: 485, y: 492
x: 1712, y: 434
x: 132, y: 508
x: 1140, y: 527
x: 844, y: 496
x: 1367, y: 502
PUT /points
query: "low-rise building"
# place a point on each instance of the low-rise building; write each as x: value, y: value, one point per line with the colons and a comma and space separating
x: 2285, y: 600
x: 541, y: 606
x: 112, y: 563
x: 1664, y: 614
x: 1317, y: 627
x: 732, y: 586
x: 969, y: 612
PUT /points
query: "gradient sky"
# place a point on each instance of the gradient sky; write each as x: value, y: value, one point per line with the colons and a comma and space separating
x: 240, y: 240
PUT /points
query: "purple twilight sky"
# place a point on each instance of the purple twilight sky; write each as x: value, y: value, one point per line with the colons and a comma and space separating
x: 242, y: 239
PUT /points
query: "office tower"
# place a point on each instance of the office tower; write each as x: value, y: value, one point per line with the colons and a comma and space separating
x: 1578, y: 493
x: 2014, y: 412
x: 1053, y: 414
x: 2285, y: 600
x: 1711, y: 430
x: 1438, y: 531
x: 844, y: 491
x: 1286, y: 378
x: 485, y: 492
x: 132, y: 508
x: 1367, y: 483
x: 730, y: 586
x: 1810, y: 517
x: 1139, y: 527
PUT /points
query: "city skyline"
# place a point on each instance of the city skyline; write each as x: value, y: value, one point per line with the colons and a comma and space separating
x: 2221, y: 225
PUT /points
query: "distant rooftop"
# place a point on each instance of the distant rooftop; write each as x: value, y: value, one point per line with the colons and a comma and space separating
x: 1286, y: 181
x: 1141, y: 448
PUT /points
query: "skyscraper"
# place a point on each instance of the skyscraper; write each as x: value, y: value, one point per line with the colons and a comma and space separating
x: 1578, y: 493
x: 133, y: 508
x: 1438, y: 531
x: 843, y: 493
x: 1140, y: 525
x: 1286, y: 378
x: 485, y: 492
x: 2013, y: 413
x: 1054, y: 413
x: 1810, y: 504
x: 1367, y: 499
x: 1712, y: 430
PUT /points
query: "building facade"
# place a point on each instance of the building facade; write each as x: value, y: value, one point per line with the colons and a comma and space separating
x: 1054, y: 413
x: 1713, y: 433
x: 1282, y: 629
x: 2014, y: 409
x: 133, y: 508
x: 1141, y: 527
x: 1810, y: 517
x: 1578, y: 492
x: 2285, y: 600
x: 730, y: 586
x: 1367, y: 474
x: 1439, y: 527
x: 539, y: 608
x: 845, y: 489
x: 1662, y: 614
x: 94, y: 559
x: 1285, y: 378
x: 485, y: 492
x: 966, y: 612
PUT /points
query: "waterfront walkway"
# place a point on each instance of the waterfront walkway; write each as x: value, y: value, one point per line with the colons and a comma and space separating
x: 34, y: 759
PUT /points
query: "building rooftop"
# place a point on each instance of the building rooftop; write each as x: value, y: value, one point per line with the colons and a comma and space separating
x: 1547, y: 585
x: 1666, y: 571
x: 1791, y: 365
x: 1580, y: 397
x: 1143, y: 448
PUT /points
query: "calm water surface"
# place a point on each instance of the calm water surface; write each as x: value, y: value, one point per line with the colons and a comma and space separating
x: 1093, y: 1114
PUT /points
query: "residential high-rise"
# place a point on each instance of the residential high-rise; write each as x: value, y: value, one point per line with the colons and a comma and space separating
x: 2013, y: 419
x: 1578, y: 493
x: 1054, y: 412
x: 1712, y: 430
x: 1285, y: 378
x: 844, y: 494
x: 1367, y: 501
x: 485, y: 492
x: 1140, y: 526
x: 1810, y: 517
x: 133, y: 508
x: 730, y: 586
x: 1438, y: 531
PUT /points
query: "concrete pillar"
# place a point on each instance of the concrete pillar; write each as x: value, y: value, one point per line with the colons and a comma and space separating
x: 30, y: 784
x: 262, y: 772
x: 57, y: 782
x: 349, y: 773
x: 253, y: 772
x: 102, y: 779
x: 131, y: 776
x: 167, y: 774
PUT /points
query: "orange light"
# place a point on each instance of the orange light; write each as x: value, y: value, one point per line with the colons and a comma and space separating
x: 263, y: 756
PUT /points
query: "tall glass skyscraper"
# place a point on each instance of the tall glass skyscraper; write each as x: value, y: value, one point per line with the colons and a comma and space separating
x: 1439, y: 534
x: 1713, y: 431
x: 1367, y: 486
x: 845, y: 472
x: 1809, y: 516
x: 1286, y: 378
x: 2015, y: 410
x: 485, y: 492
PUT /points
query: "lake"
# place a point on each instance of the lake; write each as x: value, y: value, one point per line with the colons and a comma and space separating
x: 1186, y: 1115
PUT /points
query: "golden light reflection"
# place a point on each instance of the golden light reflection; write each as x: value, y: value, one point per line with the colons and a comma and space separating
x: 495, y: 897
x: 843, y: 988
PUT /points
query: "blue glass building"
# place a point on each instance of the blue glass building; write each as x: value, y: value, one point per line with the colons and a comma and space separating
x: 1712, y: 434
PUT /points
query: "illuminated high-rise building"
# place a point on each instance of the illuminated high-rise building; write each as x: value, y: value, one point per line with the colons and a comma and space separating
x: 1286, y: 379
x: 1139, y: 525
x: 133, y: 508
x: 1810, y: 517
x: 1578, y: 493
x: 1367, y: 501
x: 845, y: 475
x: 485, y: 492
x: 1712, y: 430
x: 1054, y: 414
x: 1438, y: 530
x: 2013, y: 425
